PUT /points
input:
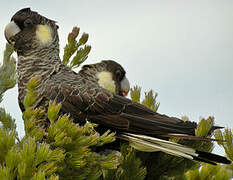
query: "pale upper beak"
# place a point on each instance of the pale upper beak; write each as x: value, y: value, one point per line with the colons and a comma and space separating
x: 11, y: 30
x: 125, y: 86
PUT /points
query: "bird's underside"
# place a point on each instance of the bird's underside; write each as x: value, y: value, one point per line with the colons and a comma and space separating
x: 35, y: 40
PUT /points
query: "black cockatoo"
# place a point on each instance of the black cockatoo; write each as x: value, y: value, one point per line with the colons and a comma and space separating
x: 36, y: 42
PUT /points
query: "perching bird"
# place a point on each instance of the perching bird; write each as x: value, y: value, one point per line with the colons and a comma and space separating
x: 109, y: 74
x: 36, y: 42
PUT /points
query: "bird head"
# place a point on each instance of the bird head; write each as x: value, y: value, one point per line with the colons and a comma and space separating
x: 29, y: 30
x: 110, y: 75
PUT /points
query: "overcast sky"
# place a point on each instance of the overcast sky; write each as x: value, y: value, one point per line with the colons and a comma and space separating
x: 181, y: 49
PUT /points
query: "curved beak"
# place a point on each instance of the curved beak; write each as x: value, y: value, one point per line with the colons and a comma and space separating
x: 125, y: 86
x: 11, y: 30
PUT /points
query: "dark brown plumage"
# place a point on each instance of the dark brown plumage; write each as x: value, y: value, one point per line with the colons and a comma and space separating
x: 35, y: 40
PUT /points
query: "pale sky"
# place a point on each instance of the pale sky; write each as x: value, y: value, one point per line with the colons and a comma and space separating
x: 181, y: 49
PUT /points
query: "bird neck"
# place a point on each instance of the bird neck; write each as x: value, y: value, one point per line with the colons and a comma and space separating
x: 42, y: 64
x: 37, y: 64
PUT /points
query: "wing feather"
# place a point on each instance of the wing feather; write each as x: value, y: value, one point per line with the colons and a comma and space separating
x: 80, y: 97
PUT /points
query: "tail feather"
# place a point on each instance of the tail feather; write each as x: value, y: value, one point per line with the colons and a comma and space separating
x: 213, y: 157
x: 204, y: 160
x: 151, y: 144
x: 164, y: 143
x: 190, y: 137
x: 147, y: 146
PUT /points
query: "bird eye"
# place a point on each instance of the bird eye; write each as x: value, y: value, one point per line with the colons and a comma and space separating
x: 27, y: 23
x: 118, y: 73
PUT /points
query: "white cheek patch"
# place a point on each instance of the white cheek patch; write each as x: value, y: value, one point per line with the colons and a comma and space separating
x: 44, y: 34
x: 105, y: 81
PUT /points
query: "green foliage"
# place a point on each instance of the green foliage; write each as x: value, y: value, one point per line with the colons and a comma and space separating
x: 7, y: 71
x: 204, y: 127
x: 208, y: 172
x: 135, y: 93
x: 7, y: 140
x: 53, y: 111
x: 31, y: 95
x: 76, y: 141
x: 28, y: 160
x: 77, y: 47
x: 7, y: 121
x: 227, y: 142
x: 38, y: 159
x: 149, y: 99
x: 130, y: 166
